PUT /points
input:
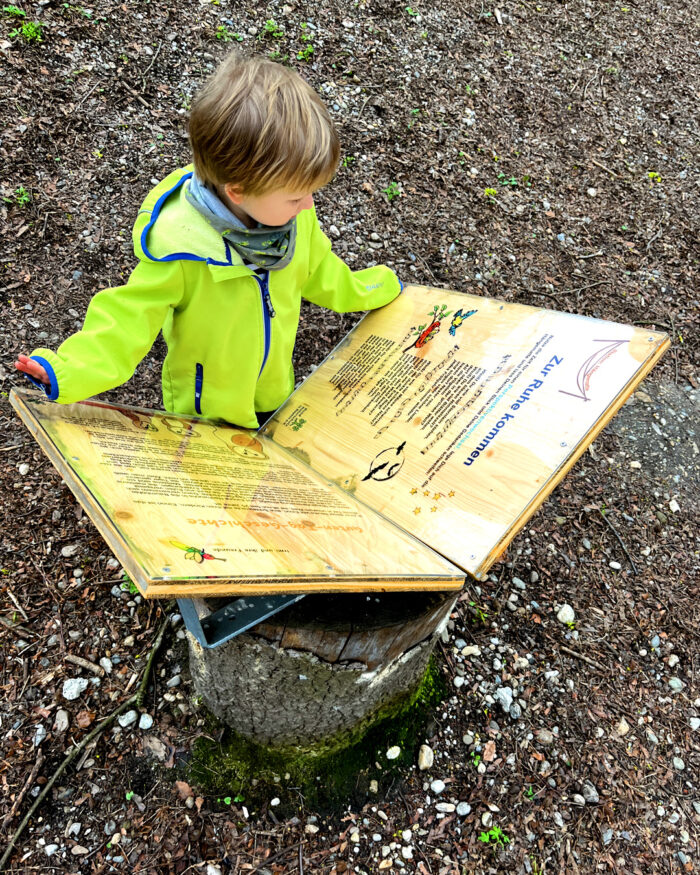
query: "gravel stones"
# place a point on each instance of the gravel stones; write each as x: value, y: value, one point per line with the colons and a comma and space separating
x: 73, y: 688
x: 127, y: 719
x: 590, y: 794
x: 437, y: 786
x: 426, y: 758
x: 566, y: 614
x: 504, y: 697
x: 394, y: 752
x: 544, y: 736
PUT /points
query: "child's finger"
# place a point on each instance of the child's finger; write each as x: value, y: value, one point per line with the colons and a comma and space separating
x: 32, y: 368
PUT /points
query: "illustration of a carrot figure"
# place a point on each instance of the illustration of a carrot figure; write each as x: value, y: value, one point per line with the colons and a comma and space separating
x: 195, y: 553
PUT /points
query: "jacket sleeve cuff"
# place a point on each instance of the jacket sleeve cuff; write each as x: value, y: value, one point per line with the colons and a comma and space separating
x: 51, y: 390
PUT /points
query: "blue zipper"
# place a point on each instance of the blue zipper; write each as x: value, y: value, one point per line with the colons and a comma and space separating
x: 268, y: 313
x: 198, y: 380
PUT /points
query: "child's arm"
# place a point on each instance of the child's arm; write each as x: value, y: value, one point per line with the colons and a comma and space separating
x: 332, y: 284
x: 120, y: 327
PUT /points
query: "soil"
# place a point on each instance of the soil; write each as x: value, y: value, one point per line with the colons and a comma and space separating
x: 544, y: 153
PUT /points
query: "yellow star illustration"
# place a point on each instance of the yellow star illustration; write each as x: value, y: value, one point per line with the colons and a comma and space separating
x: 451, y: 493
x: 413, y: 491
x: 427, y: 493
x: 416, y: 510
x: 436, y: 496
x: 433, y: 509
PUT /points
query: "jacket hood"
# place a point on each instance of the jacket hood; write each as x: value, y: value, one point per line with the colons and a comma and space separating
x: 168, y: 228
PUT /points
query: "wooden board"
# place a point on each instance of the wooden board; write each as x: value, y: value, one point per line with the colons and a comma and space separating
x: 454, y: 415
x: 194, y: 508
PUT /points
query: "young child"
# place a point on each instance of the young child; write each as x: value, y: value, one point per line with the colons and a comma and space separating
x: 226, y: 253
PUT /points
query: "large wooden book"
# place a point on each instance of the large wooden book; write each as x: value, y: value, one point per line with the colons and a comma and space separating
x: 409, y: 458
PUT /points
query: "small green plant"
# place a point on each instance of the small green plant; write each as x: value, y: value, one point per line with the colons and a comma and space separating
x: 128, y: 585
x: 412, y: 12
x: 391, y: 191
x: 529, y: 791
x: 271, y: 29
x: 507, y: 180
x: 475, y: 758
x: 495, y: 835
x: 305, y: 53
x: 225, y: 35
x: 348, y: 160
x: 79, y: 10
x: 479, y: 612
x: 654, y: 176
x: 490, y: 193
x: 20, y: 196
x: 14, y: 11
x: 30, y: 32
x: 129, y: 795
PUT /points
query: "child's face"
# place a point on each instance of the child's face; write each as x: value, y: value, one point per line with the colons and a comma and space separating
x: 273, y: 208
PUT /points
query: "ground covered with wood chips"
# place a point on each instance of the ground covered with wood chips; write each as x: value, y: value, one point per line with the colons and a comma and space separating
x: 544, y: 153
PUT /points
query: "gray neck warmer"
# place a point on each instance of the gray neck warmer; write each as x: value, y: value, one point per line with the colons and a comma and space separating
x: 266, y: 247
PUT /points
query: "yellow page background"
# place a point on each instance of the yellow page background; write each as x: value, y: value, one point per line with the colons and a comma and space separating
x: 450, y: 413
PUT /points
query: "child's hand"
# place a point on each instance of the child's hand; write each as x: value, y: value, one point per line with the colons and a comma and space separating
x: 33, y: 369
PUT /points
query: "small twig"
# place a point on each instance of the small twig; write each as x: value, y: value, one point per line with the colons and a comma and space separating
x: 622, y: 543
x: 134, y: 93
x: 578, y: 655
x: 15, y: 627
x: 591, y: 254
x: 301, y: 860
x: 17, y: 604
x: 136, y: 699
x: 85, y: 663
x: 85, y: 96
x: 153, y: 60
x: 23, y: 792
x: 606, y: 169
x: 12, y: 447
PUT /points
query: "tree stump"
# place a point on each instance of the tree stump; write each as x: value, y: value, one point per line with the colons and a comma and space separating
x: 313, y: 678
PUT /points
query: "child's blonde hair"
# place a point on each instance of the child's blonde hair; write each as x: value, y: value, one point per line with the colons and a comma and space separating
x: 260, y: 126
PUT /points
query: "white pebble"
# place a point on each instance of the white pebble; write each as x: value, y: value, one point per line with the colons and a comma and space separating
x: 127, y: 719
x: 74, y: 687
x: 145, y: 721
x: 566, y: 614
x: 23, y: 469
x: 437, y: 786
x: 393, y: 752
x: 426, y: 757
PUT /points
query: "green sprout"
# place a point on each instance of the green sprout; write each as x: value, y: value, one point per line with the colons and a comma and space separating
x: 412, y: 12
x: 271, y: 29
x: 129, y: 795
x: 14, y: 11
x: 30, y: 32
x: 507, y: 180
x: 128, y: 585
x: 20, y: 196
x: 529, y: 791
x: 225, y: 35
x: 654, y: 176
x: 348, y: 160
x: 391, y: 191
x: 490, y: 193
x: 495, y: 835
x: 305, y: 53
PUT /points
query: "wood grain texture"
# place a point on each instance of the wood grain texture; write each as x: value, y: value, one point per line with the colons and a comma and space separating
x: 454, y: 416
x: 192, y: 508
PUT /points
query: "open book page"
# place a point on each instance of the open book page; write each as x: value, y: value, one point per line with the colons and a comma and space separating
x: 191, y: 507
x: 455, y: 415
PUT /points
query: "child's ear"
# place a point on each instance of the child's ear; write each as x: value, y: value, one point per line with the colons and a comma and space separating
x: 233, y: 192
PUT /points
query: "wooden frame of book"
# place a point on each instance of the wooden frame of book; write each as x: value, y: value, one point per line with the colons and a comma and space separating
x: 410, y: 457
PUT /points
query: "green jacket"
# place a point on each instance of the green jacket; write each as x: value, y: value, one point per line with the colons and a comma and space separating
x: 230, y: 335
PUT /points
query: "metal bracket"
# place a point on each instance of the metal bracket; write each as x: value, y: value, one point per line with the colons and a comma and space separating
x: 212, y: 630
